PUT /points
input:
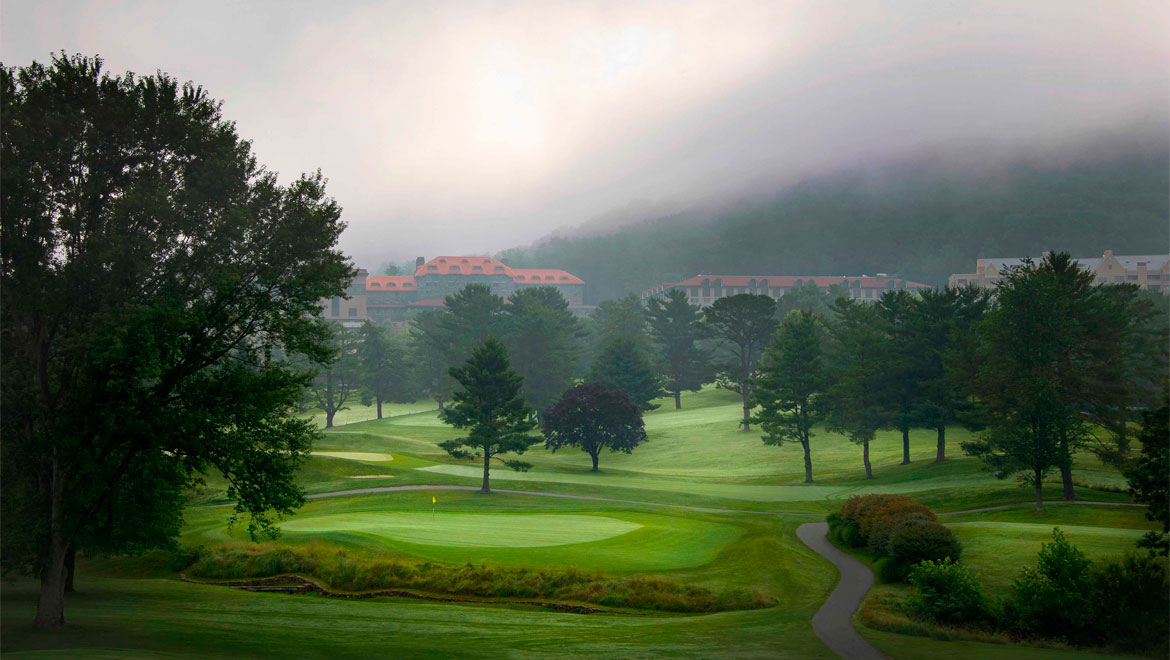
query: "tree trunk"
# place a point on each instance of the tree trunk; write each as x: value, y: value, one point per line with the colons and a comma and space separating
x: 1039, y: 477
x: 379, y: 407
x: 747, y: 410
x: 594, y: 456
x: 865, y: 458
x: 1066, y: 482
x: 487, y: 458
x: 942, y: 444
x: 51, y: 606
x: 329, y: 418
x: 440, y: 402
x: 905, y: 445
x: 70, y: 568
x: 807, y: 463
x: 677, y: 400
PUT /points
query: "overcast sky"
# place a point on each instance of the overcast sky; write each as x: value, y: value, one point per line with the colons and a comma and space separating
x: 452, y: 127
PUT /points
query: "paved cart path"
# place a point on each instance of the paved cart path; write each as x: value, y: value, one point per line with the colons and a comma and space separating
x: 833, y: 623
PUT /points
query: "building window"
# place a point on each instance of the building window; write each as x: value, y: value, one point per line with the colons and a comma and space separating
x: 549, y: 277
x: 477, y: 268
x: 353, y: 311
x: 1118, y: 278
x: 432, y: 268
x: 454, y: 267
x: 335, y: 308
x: 1133, y: 278
x: 869, y: 293
x: 499, y: 269
x: 1154, y: 287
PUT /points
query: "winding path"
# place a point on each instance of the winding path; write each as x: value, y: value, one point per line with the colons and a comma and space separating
x: 833, y: 623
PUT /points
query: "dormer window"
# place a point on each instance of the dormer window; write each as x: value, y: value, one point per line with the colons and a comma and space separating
x: 499, y: 269
x: 519, y: 277
x: 549, y: 277
x: 464, y: 261
x: 442, y: 261
x: 392, y: 284
x: 432, y: 268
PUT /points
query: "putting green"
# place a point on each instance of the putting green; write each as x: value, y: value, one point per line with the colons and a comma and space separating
x: 364, y: 456
x: 470, y: 529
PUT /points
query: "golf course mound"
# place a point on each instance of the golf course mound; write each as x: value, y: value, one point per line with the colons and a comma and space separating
x: 362, y: 456
x: 479, y: 530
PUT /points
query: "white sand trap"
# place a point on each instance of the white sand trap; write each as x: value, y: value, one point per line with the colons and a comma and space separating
x: 363, y: 456
x: 369, y: 476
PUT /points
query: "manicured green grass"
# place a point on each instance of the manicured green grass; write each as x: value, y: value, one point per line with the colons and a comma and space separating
x: 467, y: 530
x: 694, y: 457
x: 364, y: 456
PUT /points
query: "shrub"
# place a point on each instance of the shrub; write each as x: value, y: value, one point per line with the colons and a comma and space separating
x: 882, y: 529
x: 890, y: 570
x: 1049, y: 600
x: 1130, y: 606
x: 916, y: 540
x: 947, y: 593
x: 896, y: 509
x: 871, y: 512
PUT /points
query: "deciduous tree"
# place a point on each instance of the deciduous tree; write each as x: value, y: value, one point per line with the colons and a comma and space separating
x: 594, y: 417
x: 154, y: 280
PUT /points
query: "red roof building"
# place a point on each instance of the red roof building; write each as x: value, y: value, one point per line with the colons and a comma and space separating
x: 703, y: 290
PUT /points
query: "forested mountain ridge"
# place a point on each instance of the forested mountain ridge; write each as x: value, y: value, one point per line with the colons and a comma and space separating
x: 915, y: 218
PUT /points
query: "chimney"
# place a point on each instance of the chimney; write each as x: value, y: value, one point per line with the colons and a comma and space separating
x: 418, y: 262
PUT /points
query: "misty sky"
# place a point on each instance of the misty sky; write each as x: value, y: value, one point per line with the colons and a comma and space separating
x: 452, y: 127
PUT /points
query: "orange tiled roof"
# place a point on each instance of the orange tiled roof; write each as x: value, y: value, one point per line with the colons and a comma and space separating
x: 390, y: 283
x: 462, y: 266
x: 867, y: 282
x: 544, y: 276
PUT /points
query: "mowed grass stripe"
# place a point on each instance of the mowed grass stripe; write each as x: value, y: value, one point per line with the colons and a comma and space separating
x: 481, y: 530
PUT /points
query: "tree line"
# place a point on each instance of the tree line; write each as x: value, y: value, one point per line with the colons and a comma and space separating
x: 1045, y: 365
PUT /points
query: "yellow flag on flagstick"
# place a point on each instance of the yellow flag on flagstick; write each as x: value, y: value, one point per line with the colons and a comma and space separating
x: 432, y: 499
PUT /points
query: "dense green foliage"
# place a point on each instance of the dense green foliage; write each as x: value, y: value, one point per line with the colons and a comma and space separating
x: 594, y: 417
x: 947, y: 592
x: 1051, y: 366
x: 337, y: 379
x: 790, y: 380
x: 858, y: 355
x: 385, y: 369
x: 543, y: 339
x: 741, y: 324
x: 675, y: 327
x: 488, y: 405
x: 916, y: 219
x: 621, y: 366
x: 155, y: 282
x: 1147, y: 477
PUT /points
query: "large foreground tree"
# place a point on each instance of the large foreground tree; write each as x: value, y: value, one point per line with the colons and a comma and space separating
x: 488, y: 405
x: 154, y: 282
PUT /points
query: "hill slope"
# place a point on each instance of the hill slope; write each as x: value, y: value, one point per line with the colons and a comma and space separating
x: 919, y: 219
